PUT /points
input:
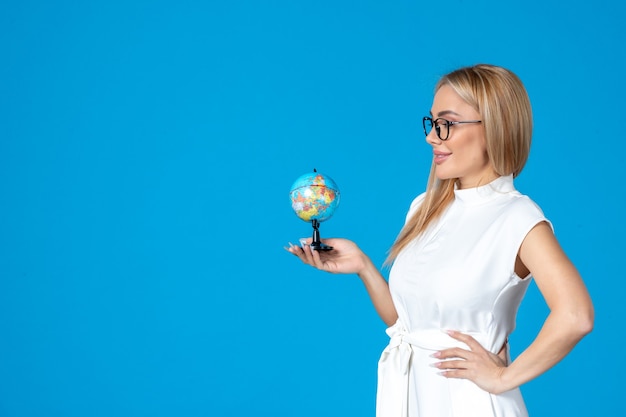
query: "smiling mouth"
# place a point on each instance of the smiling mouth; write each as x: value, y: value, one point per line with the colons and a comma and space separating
x: 440, y: 157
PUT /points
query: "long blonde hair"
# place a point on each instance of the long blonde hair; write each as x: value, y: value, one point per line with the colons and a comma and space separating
x: 499, y: 96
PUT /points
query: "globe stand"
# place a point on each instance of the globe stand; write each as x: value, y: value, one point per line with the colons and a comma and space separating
x: 316, y: 244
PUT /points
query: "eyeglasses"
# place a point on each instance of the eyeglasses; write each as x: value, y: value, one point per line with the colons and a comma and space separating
x: 442, y: 126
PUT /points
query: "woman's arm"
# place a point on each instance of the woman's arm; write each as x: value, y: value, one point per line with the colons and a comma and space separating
x: 571, y: 311
x: 347, y: 258
x: 378, y: 290
x: 570, y: 319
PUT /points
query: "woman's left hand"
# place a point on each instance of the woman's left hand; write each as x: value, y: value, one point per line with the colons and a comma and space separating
x: 480, y: 366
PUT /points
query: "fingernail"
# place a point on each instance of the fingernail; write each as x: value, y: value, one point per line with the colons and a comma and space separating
x: 435, y: 364
x: 435, y: 355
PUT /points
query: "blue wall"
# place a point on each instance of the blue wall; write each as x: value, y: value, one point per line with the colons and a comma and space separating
x: 146, y: 154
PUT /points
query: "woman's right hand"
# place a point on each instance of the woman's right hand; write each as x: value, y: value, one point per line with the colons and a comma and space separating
x: 344, y: 258
x: 347, y: 258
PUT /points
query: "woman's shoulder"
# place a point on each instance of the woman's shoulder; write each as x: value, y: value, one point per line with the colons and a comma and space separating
x: 417, y: 201
x: 519, y: 202
x: 523, y: 211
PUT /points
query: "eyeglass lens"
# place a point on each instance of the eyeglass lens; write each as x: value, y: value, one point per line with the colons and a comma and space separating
x: 441, y: 127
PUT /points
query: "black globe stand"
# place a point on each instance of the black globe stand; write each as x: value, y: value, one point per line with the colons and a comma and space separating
x: 316, y: 244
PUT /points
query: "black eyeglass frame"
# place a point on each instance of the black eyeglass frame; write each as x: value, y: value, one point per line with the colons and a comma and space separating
x: 435, y: 123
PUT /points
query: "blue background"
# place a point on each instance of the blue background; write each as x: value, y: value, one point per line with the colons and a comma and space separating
x: 146, y: 153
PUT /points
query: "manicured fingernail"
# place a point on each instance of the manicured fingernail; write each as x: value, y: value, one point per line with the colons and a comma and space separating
x: 435, y: 355
x: 435, y: 364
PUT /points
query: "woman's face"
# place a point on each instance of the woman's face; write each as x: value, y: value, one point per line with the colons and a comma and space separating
x: 464, y: 154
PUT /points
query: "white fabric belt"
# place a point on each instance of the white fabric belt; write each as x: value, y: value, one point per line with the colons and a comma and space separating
x: 393, y: 367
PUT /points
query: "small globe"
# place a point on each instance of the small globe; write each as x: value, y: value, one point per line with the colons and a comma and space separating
x: 314, y: 196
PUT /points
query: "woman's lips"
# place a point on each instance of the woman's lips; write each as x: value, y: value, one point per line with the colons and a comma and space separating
x: 440, y: 157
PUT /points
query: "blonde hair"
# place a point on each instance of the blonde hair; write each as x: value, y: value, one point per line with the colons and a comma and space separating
x: 499, y: 96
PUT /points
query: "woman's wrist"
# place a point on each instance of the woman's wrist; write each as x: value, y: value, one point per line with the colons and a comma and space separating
x: 368, y: 268
x: 506, y: 380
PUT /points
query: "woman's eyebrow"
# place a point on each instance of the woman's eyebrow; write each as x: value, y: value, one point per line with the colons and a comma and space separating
x: 446, y: 112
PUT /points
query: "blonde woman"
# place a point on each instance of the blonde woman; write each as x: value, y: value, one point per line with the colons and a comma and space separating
x: 463, y: 261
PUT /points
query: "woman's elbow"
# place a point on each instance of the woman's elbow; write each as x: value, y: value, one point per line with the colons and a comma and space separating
x: 583, y: 321
x: 586, y: 322
x: 576, y: 321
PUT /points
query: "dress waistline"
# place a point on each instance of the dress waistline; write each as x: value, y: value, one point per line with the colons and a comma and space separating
x: 395, y: 361
x: 431, y: 339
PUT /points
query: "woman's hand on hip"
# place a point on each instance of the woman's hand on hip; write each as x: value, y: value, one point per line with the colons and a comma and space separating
x: 478, y: 365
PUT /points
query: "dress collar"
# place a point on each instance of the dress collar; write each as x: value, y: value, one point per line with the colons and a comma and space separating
x: 484, y: 193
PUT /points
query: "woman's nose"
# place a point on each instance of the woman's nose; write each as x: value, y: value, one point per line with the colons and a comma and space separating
x: 432, y: 138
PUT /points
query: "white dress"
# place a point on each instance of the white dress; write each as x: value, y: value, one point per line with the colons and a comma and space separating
x: 459, y: 275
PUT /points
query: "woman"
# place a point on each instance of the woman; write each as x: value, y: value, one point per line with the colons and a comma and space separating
x: 463, y: 261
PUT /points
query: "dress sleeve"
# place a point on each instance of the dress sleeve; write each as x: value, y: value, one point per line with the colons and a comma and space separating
x: 524, y: 215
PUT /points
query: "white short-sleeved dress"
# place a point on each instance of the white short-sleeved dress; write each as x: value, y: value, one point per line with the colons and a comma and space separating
x: 459, y: 275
